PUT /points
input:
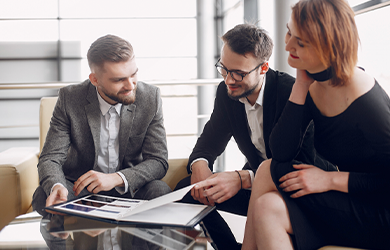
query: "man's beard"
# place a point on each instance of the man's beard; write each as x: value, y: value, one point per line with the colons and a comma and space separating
x: 245, y: 94
x: 125, y: 100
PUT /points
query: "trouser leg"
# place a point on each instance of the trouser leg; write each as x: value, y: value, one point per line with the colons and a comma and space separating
x: 39, y: 197
x: 153, y: 189
x: 216, y: 226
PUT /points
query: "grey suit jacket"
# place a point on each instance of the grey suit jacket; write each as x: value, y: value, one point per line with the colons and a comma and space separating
x: 73, y: 139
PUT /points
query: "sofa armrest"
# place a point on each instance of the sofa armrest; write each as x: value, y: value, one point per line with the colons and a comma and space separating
x: 18, y: 181
x: 176, y: 172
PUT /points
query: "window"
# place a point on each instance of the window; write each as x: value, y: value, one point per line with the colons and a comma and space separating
x: 163, y: 36
x: 374, y: 32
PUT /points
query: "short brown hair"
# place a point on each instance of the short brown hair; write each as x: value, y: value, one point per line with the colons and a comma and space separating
x: 329, y: 25
x: 248, y: 38
x: 109, y: 48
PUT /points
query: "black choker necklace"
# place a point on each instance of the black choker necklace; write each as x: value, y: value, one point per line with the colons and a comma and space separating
x: 321, y: 76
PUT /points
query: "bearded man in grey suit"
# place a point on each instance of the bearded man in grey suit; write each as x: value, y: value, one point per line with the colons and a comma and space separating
x: 106, y: 134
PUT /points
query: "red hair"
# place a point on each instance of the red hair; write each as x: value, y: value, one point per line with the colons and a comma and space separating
x: 329, y: 26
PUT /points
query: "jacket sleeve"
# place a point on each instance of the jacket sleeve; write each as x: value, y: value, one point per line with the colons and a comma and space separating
x: 55, y: 149
x: 215, y: 135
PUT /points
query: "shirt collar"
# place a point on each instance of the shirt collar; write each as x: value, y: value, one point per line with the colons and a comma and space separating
x: 260, y: 98
x: 105, y: 106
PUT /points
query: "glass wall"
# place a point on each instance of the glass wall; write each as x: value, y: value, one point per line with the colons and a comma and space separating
x: 47, y: 41
x: 163, y: 33
x: 374, y: 32
x: 232, y: 14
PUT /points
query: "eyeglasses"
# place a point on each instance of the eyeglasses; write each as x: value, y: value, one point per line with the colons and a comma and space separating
x: 234, y: 74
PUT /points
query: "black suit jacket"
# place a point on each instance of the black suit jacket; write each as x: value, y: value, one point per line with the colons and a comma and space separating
x: 229, y: 119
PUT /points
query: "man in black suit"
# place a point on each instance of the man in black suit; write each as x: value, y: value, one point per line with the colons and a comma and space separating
x: 247, y: 106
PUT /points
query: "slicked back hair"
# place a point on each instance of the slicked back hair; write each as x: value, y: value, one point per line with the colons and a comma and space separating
x: 248, y: 38
x: 109, y: 48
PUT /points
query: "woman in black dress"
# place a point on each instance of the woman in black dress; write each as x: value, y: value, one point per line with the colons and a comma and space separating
x: 297, y: 205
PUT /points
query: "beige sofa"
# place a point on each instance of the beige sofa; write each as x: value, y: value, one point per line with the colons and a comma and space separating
x: 19, y: 176
x: 18, y: 180
x: 177, y: 167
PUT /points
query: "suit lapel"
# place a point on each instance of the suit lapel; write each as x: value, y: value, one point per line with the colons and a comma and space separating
x: 243, y: 126
x: 242, y: 120
x: 269, y: 108
x: 127, y: 117
x: 92, y: 111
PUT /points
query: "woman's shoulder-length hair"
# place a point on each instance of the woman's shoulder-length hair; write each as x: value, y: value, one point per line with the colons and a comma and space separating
x: 329, y: 26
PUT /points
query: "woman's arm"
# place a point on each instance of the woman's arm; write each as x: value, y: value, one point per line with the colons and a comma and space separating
x: 374, y: 123
x: 300, y: 88
x: 287, y: 135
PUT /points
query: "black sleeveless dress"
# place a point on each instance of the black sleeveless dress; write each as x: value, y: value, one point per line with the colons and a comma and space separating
x: 357, y: 141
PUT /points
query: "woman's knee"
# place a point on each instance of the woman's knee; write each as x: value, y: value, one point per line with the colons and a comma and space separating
x: 271, y: 208
x: 269, y: 203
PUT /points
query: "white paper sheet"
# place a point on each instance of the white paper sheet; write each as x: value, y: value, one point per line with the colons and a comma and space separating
x: 173, y: 213
x: 162, y: 210
x: 159, y: 201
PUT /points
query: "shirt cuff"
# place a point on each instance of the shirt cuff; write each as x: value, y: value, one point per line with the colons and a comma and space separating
x: 252, y: 175
x: 122, y: 190
x: 51, y: 190
x: 199, y: 159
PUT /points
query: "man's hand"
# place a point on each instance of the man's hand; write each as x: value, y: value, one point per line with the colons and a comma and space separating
x: 96, y: 182
x: 59, y: 194
x: 200, y: 172
x: 220, y: 187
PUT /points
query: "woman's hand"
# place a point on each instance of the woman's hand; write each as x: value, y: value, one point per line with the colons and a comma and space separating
x: 307, y: 180
x: 301, y: 87
x: 303, y: 78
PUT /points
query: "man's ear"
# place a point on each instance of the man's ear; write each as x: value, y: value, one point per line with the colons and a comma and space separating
x: 93, y: 79
x: 264, y: 68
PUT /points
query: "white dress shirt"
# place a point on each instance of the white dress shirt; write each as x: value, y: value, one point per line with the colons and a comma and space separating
x: 254, y: 115
x: 109, y: 141
x: 108, y: 160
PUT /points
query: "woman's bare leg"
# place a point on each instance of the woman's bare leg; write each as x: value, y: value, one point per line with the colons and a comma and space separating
x: 262, y: 184
x: 271, y: 222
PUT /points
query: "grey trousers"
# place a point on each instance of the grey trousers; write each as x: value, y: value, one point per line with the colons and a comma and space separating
x: 149, y: 191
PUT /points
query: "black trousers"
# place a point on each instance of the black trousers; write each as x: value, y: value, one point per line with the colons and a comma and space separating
x: 216, y: 226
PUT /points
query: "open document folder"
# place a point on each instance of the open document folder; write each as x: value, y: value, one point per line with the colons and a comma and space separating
x: 159, y: 211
